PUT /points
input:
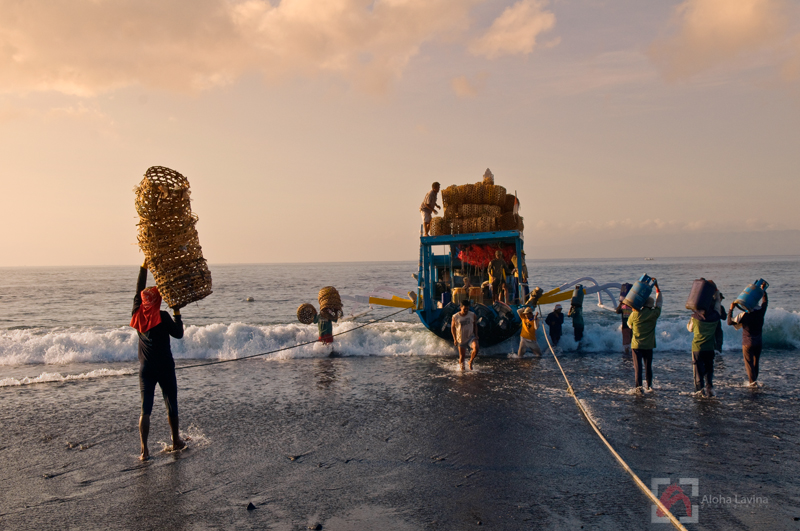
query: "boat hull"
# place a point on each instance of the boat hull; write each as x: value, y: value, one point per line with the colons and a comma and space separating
x: 494, y: 326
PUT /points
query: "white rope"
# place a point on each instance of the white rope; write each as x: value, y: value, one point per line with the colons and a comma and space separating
x: 639, y: 483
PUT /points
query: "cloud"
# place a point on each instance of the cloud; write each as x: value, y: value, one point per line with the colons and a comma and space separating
x: 515, y: 30
x: 466, y: 88
x: 86, y: 47
x: 707, y: 33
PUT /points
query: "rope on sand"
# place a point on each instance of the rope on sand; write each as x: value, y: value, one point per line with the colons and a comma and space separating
x: 639, y: 483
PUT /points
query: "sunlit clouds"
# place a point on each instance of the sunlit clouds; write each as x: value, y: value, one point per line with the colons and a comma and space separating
x: 515, y: 31
x: 87, y: 47
x: 708, y: 33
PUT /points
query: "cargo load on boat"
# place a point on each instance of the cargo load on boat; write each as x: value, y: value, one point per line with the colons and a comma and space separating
x: 479, y: 207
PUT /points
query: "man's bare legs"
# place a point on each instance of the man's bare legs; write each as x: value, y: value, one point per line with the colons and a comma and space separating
x: 144, y: 431
x: 177, y: 442
x: 474, y: 353
x: 427, y: 228
x: 462, y: 350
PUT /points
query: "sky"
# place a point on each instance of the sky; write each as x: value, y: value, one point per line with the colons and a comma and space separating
x: 310, y: 130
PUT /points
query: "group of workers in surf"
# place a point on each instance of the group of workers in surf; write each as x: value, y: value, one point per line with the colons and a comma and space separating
x: 157, y: 366
x: 639, y: 339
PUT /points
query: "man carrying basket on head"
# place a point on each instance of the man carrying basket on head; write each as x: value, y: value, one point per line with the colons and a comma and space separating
x: 428, y: 208
x: 156, y: 366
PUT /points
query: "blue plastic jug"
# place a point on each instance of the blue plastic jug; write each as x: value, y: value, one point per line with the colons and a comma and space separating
x: 751, y: 296
x: 639, y: 293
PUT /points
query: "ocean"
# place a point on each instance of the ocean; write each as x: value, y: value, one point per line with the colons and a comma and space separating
x: 391, y: 433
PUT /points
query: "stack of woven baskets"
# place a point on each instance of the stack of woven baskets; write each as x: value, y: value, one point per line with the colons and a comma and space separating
x: 329, y: 300
x: 168, y: 237
x: 480, y: 207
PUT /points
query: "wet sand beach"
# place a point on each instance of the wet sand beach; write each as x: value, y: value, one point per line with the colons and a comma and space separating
x: 396, y: 443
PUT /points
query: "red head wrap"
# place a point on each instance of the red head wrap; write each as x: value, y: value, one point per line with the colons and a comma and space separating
x: 148, y: 314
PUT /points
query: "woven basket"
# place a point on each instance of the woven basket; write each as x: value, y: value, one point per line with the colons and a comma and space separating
x: 451, y: 197
x: 168, y: 238
x: 474, y: 211
x: 508, y: 203
x: 329, y: 299
x: 459, y: 294
x: 437, y: 226
x: 451, y: 213
x: 487, y: 224
x: 499, y: 196
x: 469, y: 193
x: 306, y: 313
x: 520, y: 224
x: 470, y: 225
x: 476, y: 294
x: 507, y: 221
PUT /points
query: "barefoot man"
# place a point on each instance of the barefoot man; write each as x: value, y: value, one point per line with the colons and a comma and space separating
x: 464, y: 328
x: 428, y: 208
x: 156, y: 365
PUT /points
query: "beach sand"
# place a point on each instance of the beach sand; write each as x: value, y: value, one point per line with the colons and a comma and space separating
x: 390, y: 443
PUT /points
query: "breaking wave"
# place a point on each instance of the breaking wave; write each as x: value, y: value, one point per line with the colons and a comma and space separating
x: 226, y: 341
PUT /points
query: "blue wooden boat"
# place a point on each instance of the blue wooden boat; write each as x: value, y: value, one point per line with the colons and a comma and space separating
x: 440, y: 269
x: 497, y: 322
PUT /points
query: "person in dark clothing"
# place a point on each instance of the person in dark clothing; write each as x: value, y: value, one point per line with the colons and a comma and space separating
x: 752, y: 325
x: 554, y: 320
x: 627, y: 334
x: 718, y: 335
x: 576, y: 313
x: 156, y: 365
x: 704, y: 327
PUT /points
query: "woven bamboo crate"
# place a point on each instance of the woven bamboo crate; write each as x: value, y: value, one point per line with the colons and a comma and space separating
x: 508, y: 221
x: 476, y: 294
x: 459, y: 295
x: 306, y: 313
x: 520, y: 224
x: 437, y: 226
x: 451, y: 197
x: 451, y: 212
x: 168, y: 238
x: 329, y: 299
x: 488, y: 194
x: 499, y: 196
x: 508, y: 203
x: 473, y: 211
x: 487, y: 224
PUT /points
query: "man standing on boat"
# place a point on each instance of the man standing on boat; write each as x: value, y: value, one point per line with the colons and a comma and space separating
x: 464, y: 327
x: 428, y: 208
x: 498, y: 269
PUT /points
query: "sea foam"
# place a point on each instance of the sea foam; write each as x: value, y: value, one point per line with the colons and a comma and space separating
x: 236, y: 340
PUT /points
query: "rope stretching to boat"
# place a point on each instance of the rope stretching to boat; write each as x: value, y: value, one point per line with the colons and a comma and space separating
x: 287, y: 348
x: 639, y: 483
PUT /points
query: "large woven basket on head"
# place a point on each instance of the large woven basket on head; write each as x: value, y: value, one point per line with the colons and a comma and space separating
x: 306, y: 313
x: 329, y: 300
x: 168, y: 237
